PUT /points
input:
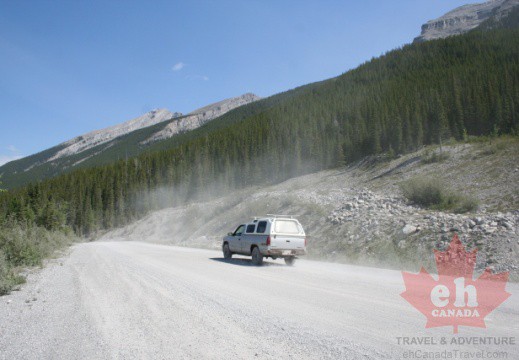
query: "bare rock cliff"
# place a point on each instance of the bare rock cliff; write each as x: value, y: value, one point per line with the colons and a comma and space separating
x: 464, y: 18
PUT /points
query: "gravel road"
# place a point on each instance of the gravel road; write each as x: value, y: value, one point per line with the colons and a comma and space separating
x: 132, y: 300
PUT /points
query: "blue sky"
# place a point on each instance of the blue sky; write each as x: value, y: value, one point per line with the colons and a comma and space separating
x: 69, y: 67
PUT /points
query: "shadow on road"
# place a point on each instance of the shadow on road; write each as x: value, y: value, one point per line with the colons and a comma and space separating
x: 243, y: 262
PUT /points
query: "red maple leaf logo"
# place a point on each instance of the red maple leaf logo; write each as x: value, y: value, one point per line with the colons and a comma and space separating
x: 455, y: 298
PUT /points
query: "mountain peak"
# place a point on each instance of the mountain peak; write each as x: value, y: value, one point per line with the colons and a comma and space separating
x: 464, y: 18
x: 201, y: 116
x: 229, y: 104
x: 98, y: 137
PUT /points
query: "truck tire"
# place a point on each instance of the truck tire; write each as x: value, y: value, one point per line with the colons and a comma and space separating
x: 257, y: 257
x: 290, y: 260
x: 227, y: 254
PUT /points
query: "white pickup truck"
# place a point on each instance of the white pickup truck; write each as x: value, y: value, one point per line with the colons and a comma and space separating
x: 274, y: 236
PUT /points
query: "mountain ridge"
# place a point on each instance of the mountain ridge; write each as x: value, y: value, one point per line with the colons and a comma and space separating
x: 98, y: 137
x: 200, y: 116
x: 129, y: 138
x: 465, y: 18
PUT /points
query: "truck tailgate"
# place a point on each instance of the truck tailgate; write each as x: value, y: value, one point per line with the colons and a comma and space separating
x: 287, y: 242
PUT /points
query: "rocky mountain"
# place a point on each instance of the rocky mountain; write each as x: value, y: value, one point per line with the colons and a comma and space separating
x: 98, y: 137
x: 129, y: 138
x: 465, y: 18
x: 199, y: 117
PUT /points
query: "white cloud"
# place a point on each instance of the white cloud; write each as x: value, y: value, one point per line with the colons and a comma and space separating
x: 178, y: 66
x: 6, y: 158
x: 14, y: 154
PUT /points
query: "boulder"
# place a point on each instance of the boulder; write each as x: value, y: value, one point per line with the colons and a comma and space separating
x: 409, y: 229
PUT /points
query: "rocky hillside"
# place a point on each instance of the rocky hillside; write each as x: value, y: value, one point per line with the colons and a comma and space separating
x: 359, y: 214
x: 465, y: 18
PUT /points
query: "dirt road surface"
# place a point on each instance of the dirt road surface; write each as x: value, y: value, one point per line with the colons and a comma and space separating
x: 132, y: 300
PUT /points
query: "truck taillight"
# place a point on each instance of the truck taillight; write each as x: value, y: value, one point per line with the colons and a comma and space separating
x: 268, y: 240
x: 305, y: 241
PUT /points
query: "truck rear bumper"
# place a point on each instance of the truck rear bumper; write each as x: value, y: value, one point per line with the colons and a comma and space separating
x: 284, y: 253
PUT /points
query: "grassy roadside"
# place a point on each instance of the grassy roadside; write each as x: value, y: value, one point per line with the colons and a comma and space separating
x: 24, y: 246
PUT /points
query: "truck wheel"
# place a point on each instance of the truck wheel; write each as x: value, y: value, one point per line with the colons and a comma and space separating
x: 227, y: 254
x: 257, y: 258
x: 290, y: 260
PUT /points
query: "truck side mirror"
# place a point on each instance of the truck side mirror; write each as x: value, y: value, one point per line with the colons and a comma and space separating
x: 230, y: 234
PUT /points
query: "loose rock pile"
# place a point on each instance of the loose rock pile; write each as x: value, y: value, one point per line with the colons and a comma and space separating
x: 369, y: 215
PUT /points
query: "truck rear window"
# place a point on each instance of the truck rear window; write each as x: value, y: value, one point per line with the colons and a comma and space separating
x: 262, y: 226
x: 286, y: 227
x: 250, y: 228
